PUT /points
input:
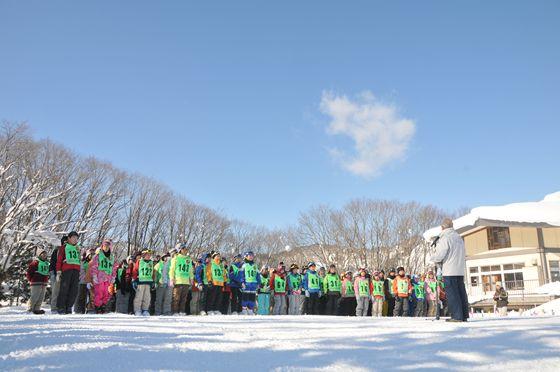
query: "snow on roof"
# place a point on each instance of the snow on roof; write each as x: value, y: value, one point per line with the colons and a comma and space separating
x: 551, y: 289
x: 544, y: 213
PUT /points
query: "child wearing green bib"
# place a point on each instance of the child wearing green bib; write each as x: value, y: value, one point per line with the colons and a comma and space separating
x: 332, y: 287
x: 419, y: 296
x: 312, y: 287
x: 103, y: 272
x: 143, y: 277
x: 38, y: 276
x: 278, y: 287
x: 402, y: 289
x: 263, y: 298
x: 363, y: 291
x: 347, y: 306
x: 431, y: 294
x: 295, y: 298
x: 378, y: 295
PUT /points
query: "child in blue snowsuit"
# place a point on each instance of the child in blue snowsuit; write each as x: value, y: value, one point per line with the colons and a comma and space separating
x: 250, y: 279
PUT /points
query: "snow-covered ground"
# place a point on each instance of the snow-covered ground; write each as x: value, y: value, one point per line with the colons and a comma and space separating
x: 242, y: 343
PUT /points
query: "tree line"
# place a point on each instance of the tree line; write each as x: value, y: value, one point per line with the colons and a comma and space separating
x: 47, y: 190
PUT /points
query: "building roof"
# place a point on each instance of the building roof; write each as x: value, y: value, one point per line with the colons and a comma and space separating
x: 544, y: 213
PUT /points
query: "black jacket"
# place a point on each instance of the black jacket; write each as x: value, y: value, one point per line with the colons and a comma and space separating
x: 54, y: 257
x: 501, y: 297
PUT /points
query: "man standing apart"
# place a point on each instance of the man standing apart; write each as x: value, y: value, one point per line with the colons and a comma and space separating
x: 450, y: 253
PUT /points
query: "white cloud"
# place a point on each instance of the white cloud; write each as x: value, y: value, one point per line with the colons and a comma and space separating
x: 379, y: 134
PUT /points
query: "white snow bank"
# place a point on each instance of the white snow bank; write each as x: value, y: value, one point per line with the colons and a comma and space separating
x: 544, y: 213
x: 551, y: 289
x: 549, y: 308
x: 287, y: 343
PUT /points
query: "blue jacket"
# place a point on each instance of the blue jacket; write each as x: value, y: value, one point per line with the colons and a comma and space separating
x: 250, y: 287
x: 235, y: 279
x: 199, y: 274
x: 305, y: 282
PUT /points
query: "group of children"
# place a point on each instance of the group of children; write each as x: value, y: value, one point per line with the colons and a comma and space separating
x: 176, y: 284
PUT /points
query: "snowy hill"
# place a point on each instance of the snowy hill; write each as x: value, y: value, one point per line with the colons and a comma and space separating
x: 232, y: 343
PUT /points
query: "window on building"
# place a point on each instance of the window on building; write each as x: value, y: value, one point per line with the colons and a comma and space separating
x: 474, y: 281
x: 554, y: 271
x: 498, y: 237
x: 485, y: 269
x: 473, y: 270
x: 514, y: 280
x: 489, y: 282
x: 516, y: 266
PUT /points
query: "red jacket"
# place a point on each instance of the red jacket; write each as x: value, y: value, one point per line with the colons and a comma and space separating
x: 33, y: 276
x: 61, y: 264
x: 273, y: 281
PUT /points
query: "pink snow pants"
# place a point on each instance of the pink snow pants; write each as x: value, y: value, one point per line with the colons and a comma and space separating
x: 101, y: 293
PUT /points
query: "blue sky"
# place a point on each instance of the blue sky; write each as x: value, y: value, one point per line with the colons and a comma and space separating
x: 232, y: 104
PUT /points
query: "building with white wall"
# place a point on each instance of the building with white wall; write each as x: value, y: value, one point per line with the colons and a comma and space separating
x: 517, y: 244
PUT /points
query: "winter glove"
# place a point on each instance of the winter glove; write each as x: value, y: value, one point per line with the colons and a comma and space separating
x: 88, y: 285
x: 171, y: 284
x: 306, y: 293
x: 199, y: 286
x: 135, y: 285
x: 58, y: 276
x: 243, y: 285
x: 153, y: 286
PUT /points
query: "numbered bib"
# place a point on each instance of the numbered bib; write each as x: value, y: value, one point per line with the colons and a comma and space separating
x: 295, y: 281
x: 182, y: 267
x: 363, y: 287
x: 378, y: 288
x: 333, y: 283
x: 313, y: 281
x: 217, y: 273
x: 105, y: 264
x: 433, y: 286
x: 250, y: 273
x: 43, y: 267
x: 145, y: 271
x: 403, y: 286
x: 349, y: 288
x: 72, y: 255
x: 419, y: 290
x: 279, y: 285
